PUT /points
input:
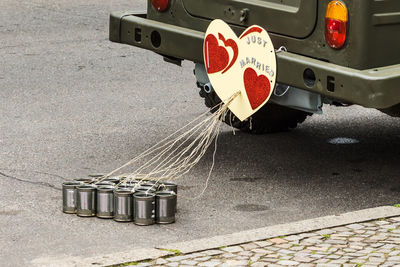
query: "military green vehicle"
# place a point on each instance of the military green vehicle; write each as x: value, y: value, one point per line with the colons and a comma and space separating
x: 328, y: 52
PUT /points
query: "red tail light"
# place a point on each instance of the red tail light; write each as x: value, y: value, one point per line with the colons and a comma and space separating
x: 160, y: 5
x: 336, y: 24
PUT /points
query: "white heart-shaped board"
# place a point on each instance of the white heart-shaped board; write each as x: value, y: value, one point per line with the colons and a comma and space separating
x: 246, y: 63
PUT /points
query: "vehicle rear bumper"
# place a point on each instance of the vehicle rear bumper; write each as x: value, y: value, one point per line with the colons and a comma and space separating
x: 374, y: 88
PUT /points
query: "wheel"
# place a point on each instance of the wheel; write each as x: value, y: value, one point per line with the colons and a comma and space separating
x: 270, y: 118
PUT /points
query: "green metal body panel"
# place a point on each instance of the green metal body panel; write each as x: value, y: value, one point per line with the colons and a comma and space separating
x: 365, y: 71
x: 296, y: 18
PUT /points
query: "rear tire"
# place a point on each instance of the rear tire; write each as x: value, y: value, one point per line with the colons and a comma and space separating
x: 271, y: 118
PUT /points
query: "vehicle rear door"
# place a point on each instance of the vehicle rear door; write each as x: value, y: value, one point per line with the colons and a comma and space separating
x: 294, y: 18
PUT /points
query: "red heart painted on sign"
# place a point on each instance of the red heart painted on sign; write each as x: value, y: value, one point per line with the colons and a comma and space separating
x: 257, y: 87
x: 217, y: 57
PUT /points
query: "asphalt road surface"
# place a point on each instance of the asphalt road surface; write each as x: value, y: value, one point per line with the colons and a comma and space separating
x: 72, y: 103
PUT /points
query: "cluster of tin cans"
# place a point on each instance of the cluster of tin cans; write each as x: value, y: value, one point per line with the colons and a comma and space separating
x: 143, y: 202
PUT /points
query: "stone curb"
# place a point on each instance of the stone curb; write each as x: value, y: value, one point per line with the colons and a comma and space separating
x: 225, y: 240
x: 283, y: 229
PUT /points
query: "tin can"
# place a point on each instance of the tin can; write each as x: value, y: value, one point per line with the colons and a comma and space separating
x: 165, y: 207
x: 105, y: 202
x: 69, y: 193
x: 169, y: 186
x: 86, y: 201
x: 144, y: 207
x: 123, y: 208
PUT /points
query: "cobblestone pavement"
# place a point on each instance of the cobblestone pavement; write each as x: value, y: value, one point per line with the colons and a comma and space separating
x: 374, y: 243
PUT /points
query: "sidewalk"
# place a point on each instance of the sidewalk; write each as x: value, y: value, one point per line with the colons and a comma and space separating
x: 368, y: 237
x: 374, y: 243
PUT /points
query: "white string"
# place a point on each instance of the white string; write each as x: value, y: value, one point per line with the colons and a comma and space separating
x: 174, y: 156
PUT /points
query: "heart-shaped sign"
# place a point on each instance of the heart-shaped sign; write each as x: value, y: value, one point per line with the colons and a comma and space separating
x: 246, y: 64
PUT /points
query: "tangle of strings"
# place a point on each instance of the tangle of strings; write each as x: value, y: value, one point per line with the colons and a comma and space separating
x: 174, y: 156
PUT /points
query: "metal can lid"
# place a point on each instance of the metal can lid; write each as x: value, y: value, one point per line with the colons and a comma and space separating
x: 165, y: 194
x: 105, y: 188
x: 144, y: 195
x: 84, y: 180
x: 149, y: 182
x: 148, y: 186
x: 145, y: 189
x: 71, y: 184
x: 86, y: 188
x: 104, y: 183
x: 112, y: 179
x: 123, y: 191
x: 125, y: 186
x: 166, y: 185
